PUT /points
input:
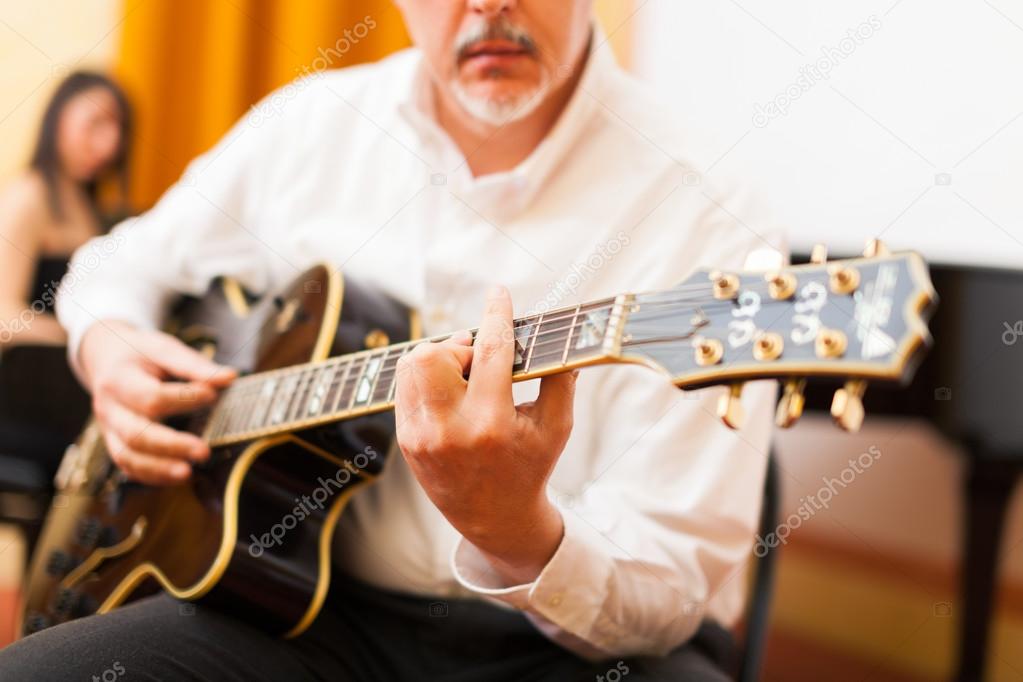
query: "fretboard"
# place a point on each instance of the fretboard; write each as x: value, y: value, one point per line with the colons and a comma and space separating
x: 348, y: 386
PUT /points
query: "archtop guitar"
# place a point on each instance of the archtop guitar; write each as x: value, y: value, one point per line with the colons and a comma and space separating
x: 310, y: 422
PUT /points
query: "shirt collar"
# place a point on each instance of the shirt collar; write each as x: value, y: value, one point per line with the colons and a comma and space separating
x: 520, y: 184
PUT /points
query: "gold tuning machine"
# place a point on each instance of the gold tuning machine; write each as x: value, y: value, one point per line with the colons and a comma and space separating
x: 847, y: 405
x: 790, y: 407
x: 781, y: 285
x: 842, y: 279
x: 875, y: 248
x: 730, y: 407
x: 726, y: 286
x: 819, y: 254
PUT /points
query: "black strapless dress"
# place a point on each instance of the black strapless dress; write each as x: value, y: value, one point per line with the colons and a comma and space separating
x: 49, y: 271
x: 42, y: 405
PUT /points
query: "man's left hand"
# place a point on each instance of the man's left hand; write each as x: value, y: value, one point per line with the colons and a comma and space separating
x: 483, y: 461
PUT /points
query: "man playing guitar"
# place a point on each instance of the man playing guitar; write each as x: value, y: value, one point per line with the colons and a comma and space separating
x: 504, y: 543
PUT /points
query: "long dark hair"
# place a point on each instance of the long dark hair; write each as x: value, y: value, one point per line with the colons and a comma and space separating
x: 46, y: 158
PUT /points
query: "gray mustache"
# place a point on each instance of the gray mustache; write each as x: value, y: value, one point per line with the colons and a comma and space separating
x: 502, y: 29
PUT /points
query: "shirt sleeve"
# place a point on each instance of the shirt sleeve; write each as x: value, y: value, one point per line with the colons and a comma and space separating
x: 205, y: 225
x: 666, y: 524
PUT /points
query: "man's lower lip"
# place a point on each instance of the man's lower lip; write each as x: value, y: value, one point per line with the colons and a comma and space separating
x: 493, y: 58
x: 494, y: 55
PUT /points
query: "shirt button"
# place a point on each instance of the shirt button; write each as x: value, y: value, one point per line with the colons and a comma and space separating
x: 556, y: 600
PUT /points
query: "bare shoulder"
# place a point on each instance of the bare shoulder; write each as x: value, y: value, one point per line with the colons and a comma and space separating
x: 24, y: 194
x: 23, y: 206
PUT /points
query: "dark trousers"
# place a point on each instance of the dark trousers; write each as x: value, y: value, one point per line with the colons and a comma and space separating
x: 362, y: 634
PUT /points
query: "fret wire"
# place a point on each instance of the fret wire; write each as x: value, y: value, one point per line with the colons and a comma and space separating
x: 337, y: 368
x: 258, y: 414
x: 341, y: 385
x: 282, y: 394
x: 569, y: 312
x: 257, y: 391
x: 225, y: 410
x: 283, y: 389
x: 232, y: 418
x: 376, y: 379
x: 354, y: 381
x: 532, y: 343
x: 239, y: 416
x: 568, y: 341
x: 394, y: 380
x: 218, y: 417
x: 299, y: 376
x: 306, y: 394
x: 325, y: 399
x: 315, y: 383
x: 317, y: 391
x: 389, y: 368
x: 355, y: 386
x: 295, y: 407
x: 229, y: 412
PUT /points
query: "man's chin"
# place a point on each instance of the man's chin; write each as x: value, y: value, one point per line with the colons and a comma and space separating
x: 498, y: 104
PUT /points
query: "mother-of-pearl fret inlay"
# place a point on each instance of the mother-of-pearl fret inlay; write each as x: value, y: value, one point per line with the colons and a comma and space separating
x: 266, y: 396
x: 591, y: 332
x: 280, y: 407
x: 319, y: 392
x: 367, y: 380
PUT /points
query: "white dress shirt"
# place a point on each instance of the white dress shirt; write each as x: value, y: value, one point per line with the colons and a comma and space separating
x: 659, y: 499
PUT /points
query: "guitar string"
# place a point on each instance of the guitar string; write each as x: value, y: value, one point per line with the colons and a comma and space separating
x: 349, y: 389
x: 302, y: 385
x: 256, y: 383
x: 520, y: 323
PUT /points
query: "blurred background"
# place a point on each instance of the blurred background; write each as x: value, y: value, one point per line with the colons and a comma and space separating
x: 893, y: 118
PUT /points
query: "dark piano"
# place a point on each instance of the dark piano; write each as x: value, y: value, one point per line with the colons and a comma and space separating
x: 970, y: 386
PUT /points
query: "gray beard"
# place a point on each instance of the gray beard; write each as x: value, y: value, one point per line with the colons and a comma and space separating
x: 496, y: 112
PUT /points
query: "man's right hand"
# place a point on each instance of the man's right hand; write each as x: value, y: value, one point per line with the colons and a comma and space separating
x: 138, y: 377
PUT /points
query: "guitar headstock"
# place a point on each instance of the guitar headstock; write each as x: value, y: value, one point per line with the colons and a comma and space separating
x: 859, y: 319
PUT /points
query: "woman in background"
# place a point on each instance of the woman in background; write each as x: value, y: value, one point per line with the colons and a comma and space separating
x: 53, y: 207
x: 46, y: 213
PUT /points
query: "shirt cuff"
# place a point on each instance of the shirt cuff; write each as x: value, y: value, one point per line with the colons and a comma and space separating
x: 570, y: 591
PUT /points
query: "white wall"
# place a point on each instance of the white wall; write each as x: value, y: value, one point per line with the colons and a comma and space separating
x: 915, y: 134
x: 40, y: 42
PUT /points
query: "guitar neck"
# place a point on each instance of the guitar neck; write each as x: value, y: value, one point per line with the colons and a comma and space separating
x: 348, y: 386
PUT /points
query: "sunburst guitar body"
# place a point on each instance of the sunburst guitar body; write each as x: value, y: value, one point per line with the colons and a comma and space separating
x: 107, y: 540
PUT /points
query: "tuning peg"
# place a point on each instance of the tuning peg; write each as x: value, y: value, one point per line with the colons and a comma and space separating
x: 790, y: 407
x: 730, y: 407
x: 875, y: 247
x: 847, y: 405
x: 819, y: 254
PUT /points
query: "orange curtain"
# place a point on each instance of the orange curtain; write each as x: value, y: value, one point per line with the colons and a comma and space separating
x: 193, y: 67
